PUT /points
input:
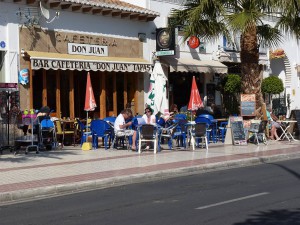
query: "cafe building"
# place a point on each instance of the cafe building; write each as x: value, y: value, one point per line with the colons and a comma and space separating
x: 59, y: 57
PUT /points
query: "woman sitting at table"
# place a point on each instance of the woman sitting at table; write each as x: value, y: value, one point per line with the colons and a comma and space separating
x: 148, y: 116
x: 273, y: 124
x: 149, y: 119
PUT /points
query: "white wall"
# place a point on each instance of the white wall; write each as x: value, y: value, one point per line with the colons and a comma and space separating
x: 292, y: 50
x: 10, y: 34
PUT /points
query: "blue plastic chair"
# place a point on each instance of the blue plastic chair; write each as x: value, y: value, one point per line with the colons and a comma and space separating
x: 83, y: 131
x: 180, y: 116
x: 222, y: 130
x: 134, y: 126
x: 181, y: 133
x: 161, y: 122
x: 208, y: 116
x: 47, y: 134
x: 110, y: 130
x: 111, y: 119
x: 176, y: 131
x: 167, y: 132
x: 98, y: 128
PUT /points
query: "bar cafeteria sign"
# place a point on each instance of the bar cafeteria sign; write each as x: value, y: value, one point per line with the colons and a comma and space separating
x: 64, y: 64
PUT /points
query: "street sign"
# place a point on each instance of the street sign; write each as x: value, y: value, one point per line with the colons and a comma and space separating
x: 162, y: 53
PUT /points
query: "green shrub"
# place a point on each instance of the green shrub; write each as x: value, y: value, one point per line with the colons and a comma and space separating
x: 230, y: 87
x: 232, y: 83
x: 272, y: 85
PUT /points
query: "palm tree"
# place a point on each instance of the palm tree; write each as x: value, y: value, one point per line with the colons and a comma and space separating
x: 210, y: 19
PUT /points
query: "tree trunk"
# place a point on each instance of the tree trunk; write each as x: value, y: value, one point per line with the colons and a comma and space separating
x: 251, y: 78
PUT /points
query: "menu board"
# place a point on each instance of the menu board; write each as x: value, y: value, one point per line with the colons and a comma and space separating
x: 237, y: 130
x: 295, y: 115
x: 248, y: 105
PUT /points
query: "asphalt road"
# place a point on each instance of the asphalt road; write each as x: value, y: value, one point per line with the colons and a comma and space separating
x: 265, y: 194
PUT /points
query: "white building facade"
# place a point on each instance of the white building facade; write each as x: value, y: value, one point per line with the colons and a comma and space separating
x: 287, y: 68
x: 48, y: 40
x: 9, y: 43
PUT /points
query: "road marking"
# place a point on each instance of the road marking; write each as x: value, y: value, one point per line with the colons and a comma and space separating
x: 233, y: 200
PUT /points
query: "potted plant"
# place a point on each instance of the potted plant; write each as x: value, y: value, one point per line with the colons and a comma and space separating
x: 230, y: 89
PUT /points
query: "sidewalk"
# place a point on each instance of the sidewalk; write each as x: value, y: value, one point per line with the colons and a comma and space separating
x: 70, y: 169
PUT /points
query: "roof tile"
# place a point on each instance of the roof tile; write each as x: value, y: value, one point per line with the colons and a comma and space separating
x: 115, y: 4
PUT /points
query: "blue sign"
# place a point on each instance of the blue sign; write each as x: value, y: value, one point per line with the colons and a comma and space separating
x: 2, y: 44
x: 23, y: 76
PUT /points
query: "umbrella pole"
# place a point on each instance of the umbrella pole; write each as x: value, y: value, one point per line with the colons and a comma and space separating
x: 87, y: 117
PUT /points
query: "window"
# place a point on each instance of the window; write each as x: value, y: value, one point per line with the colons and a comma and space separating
x: 2, y: 66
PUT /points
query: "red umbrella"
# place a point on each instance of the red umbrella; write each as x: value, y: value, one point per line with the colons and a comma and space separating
x: 195, y: 99
x: 90, y: 103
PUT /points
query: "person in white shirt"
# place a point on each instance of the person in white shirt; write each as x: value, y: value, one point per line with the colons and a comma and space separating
x: 148, y: 116
x: 121, y: 125
x: 149, y: 119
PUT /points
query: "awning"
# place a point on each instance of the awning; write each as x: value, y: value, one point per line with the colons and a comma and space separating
x: 234, y: 57
x: 194, y: 65
x: 56, y: 61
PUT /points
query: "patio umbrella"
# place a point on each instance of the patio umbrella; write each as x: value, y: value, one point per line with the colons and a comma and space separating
x: 157, y: 97
x: 90, y: 103
x: 195, y: 99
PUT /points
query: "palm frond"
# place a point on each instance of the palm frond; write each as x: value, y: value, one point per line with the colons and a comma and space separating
x: 268, y: 36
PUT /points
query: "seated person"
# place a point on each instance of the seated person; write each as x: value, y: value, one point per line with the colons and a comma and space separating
x: 148, y: 116
x: 149, y: 119
x: 201, y: 111
x: 273, y: 124
x: 121, y: 125
x: 183, y: 108
x: 174, y: 109
x: 217, y: 114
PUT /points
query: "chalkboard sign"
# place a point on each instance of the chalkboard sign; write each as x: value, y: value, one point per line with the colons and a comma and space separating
x: 237, y: 130
x: 238, y: 133
x: 295, y: 115
x: 248, y: 105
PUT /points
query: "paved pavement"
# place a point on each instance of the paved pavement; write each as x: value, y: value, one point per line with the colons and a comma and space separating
x: 69, y: 170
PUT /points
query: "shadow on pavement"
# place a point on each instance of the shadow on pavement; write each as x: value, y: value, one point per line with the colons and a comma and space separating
x: 274, y: 217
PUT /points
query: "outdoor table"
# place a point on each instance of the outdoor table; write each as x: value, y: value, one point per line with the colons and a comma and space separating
x: 285, y: 125
x: 68, y: 127
x: 222, y: 119
x: 189, y: 129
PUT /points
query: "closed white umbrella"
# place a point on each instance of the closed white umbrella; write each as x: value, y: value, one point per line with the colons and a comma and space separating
x: 157, y: 96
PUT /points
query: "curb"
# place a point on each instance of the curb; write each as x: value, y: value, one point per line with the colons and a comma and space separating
x: 71, y: 188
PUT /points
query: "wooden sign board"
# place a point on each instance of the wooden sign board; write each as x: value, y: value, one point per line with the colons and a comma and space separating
x: 248, y: 104
x: 237, y: 130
